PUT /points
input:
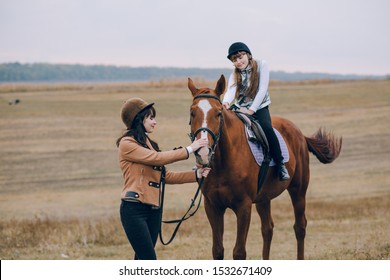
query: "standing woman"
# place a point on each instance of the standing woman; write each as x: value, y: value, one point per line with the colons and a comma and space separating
x: 142, y: 165
x: 248, y: 87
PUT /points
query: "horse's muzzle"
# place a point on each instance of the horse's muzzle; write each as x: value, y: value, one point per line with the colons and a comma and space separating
x: 203, y: 156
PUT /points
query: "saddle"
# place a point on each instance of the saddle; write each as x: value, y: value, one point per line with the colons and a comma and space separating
x: 254, y: 132
x: 251, y: 125
x: 258, y: 141
x: 259, y: 146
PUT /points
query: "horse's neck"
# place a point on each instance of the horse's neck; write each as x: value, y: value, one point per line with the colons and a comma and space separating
x: 232, y: 139
x: 233, y: 127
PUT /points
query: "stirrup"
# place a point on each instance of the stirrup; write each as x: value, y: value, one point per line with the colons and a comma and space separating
x: 283, y: 172
x: 251, y: 136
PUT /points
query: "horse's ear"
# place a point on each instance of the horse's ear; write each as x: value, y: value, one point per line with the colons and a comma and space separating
x: 192, y: 87
x: 221, y: 85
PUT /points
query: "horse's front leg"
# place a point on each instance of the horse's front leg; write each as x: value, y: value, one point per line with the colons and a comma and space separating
x: 243, y: 214
x: 215, y: 217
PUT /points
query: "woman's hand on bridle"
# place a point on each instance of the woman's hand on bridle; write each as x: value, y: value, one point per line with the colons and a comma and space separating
x: 202, y: 171
x: 199, y: 143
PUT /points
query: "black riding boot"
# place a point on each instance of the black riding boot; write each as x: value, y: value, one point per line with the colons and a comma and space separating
x: 264, y: 119
x: 283, y: 172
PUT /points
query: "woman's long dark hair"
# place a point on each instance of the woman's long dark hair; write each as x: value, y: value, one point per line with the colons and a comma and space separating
x: 137, y: 129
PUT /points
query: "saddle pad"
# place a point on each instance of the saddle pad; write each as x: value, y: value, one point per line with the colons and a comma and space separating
x: 257, y: 151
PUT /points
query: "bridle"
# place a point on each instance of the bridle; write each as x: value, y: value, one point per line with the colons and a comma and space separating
x: 188, y: 213
x: 206, y: 129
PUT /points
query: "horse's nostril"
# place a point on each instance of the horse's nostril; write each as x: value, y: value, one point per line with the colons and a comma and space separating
x: 204, y: 151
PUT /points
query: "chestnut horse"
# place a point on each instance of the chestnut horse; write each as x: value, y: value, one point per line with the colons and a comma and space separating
x: 232, y: 182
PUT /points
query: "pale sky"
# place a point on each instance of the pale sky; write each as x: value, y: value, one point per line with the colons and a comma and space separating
x: 331, y: 36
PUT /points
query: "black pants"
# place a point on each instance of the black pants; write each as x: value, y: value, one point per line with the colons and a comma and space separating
x: 141, y: 224
x: 264, y: 118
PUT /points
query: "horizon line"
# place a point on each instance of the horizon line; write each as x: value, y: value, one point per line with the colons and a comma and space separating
x: 184, y: 67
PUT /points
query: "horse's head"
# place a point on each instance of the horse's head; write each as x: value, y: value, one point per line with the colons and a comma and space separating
x: 206, y: 118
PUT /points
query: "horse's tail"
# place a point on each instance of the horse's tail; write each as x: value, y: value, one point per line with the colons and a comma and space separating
x: 324, y: 145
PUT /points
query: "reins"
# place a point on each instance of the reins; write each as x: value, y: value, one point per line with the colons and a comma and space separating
x: 186, y: 215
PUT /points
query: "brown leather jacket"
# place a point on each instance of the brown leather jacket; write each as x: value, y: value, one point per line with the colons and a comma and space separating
x: 142, y: 168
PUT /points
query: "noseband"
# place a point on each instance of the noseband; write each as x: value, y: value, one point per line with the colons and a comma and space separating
x: 205, y: 129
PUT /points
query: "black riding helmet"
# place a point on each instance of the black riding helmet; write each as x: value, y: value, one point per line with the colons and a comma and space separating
x: 238, y: 47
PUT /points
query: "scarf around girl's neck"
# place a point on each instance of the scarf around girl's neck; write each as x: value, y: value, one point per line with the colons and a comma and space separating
x: 242, y: 99
x: 247, y: 70
x: 245, y: 74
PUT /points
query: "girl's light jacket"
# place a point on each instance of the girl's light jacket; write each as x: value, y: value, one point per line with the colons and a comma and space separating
x: 262, y: 98
x: 142, y: 171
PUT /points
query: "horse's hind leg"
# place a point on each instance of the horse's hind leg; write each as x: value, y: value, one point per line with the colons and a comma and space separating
x: 299, y: 203
x: 267, y: 226
x: 243, y: 214
x: 215, y: 217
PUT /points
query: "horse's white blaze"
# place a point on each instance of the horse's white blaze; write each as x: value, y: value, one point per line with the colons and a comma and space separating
x: 205, y: 106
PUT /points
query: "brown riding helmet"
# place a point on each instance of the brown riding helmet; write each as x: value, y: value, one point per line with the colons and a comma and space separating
x: 131, y: 108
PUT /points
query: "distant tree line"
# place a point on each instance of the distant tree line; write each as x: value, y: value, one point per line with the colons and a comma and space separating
x: 44, y: 72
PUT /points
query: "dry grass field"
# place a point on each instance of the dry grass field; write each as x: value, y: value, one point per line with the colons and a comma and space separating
x: 60, y: 180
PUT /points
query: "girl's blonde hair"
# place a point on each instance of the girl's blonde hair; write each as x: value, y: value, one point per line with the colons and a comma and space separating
x: 254, y: 79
